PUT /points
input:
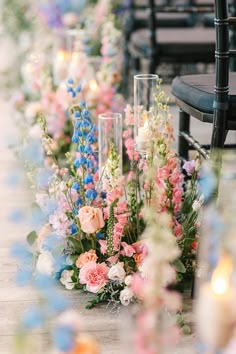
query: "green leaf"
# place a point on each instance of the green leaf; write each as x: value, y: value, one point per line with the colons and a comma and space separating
x: 75, y: 244
x: 32, y: 237
x: 179, y: 266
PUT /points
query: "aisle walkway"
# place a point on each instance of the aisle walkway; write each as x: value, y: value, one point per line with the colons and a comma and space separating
x: 13, y: 300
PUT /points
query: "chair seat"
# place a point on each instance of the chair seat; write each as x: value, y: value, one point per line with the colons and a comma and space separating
x: 164, y: 19
x: 197, y: 44
x: 198, y: 92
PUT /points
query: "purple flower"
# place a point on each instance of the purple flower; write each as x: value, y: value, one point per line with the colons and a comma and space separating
x: 189, y: 167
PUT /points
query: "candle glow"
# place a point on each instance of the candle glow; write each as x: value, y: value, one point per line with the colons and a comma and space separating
x: 93, y: 85
x: 221, y: 276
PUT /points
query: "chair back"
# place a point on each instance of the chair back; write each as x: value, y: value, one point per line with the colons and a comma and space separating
x: 222, y: 56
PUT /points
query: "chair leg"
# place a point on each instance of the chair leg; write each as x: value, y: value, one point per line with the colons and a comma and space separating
x: 126, y: 71
x: 152, y: 65
x: 137, y: 65
x: 218, y: 130
x: 184, y: 126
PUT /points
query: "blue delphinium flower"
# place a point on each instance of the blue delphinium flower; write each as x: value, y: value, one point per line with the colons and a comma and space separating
x: 79, y: 202
x: 91, y: 138
x: 88, y: 179
x: 91, y: 194
x: 73, y: 229
x: 75, y: 139
x: 63, y: 338
x: 77, y: 114
x: 76, y: 186
x: 33, y: 318
x: 99, y: 235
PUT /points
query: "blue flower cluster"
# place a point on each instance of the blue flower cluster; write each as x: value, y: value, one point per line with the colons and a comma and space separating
x: 85, y: 135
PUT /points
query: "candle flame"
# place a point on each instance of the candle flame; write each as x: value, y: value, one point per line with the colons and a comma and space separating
x: 221, y: 276
x: 62, y: 55
x: 93, y: 85
x: 146, y: 119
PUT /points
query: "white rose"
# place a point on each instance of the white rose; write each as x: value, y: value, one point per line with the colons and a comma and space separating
x: 45, y: 263
x: 126, y: 296
x: 117, y: 272
x: 128, y: 280
x: 66, y: 279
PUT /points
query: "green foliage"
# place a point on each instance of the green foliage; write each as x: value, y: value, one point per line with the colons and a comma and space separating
x: 31, y: 238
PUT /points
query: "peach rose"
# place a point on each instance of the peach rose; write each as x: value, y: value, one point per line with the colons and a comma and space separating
x: 85, y: 258
x: 94, y: 275
x: 91, y: 219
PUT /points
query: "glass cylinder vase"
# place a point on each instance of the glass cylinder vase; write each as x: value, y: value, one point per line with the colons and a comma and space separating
x: 144, y: 89
x: 215, y: 309
x: 110, y: 143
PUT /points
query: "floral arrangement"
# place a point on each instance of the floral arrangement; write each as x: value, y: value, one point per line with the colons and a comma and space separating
x: 91, y: 237
x: 101, y: 79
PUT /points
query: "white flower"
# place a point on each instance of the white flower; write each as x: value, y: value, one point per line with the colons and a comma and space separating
x: 32, y: 109
x: 45, y: 263
x: 198, y: 203
x: 117, y: 272
x: 126, y: 296
x: 66, y: 279
x: 128, y: 280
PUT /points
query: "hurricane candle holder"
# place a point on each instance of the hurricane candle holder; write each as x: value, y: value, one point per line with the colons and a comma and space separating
x: 144, y: 89
x: 110, y: 141
x: 216, y: 281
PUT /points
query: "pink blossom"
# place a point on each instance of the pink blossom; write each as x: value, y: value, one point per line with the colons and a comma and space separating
x: 103, y: 245
x: 163, y: 172
x: 112, y: 260
x: 178, y: 229
x: 177, y: 196
x: 176, y: 177
x: 189, y: 167
x: 138, y: 285
x: 129, y: 116
x: 140, y: 247
x: 131, y: 176
x: 127, y: 133
x: 128, y: 250
x: 114, y: 194
x: 94, y: 275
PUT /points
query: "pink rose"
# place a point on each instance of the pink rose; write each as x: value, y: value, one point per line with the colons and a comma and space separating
x: 91, y: 219
x: 86, y: 257
x: 94, y: 275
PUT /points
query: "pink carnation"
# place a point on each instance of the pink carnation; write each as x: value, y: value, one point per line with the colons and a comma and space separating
x: 94, y: 275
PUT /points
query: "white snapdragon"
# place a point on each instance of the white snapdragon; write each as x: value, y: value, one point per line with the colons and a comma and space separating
x: 117, y: 272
